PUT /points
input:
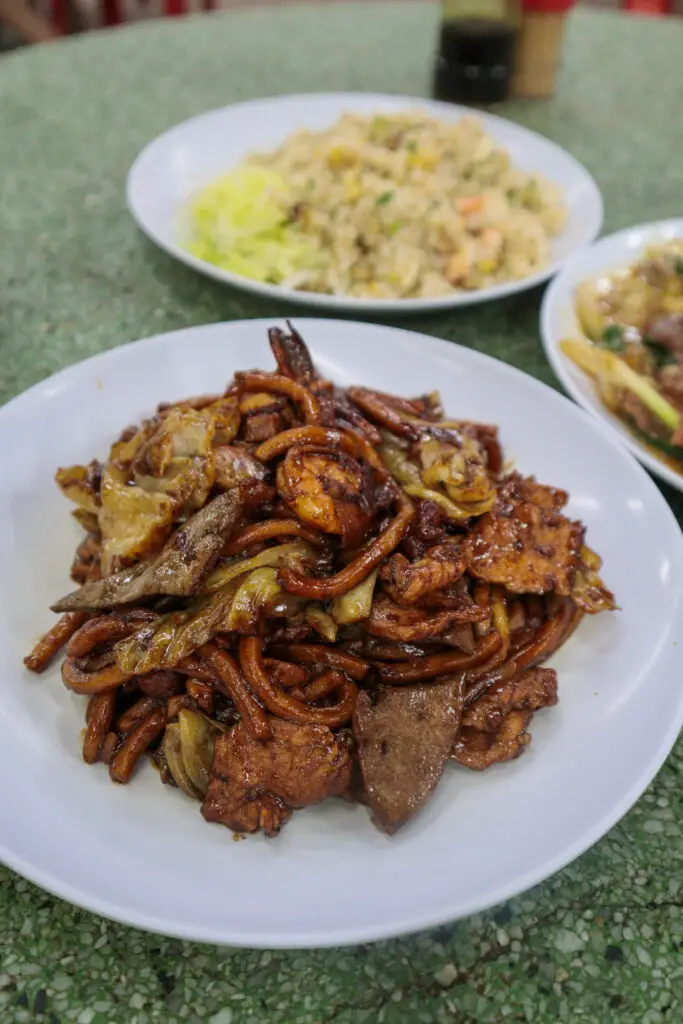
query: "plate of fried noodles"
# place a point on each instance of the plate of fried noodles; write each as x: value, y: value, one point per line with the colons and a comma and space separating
x: 364, y: 202
x: 415, y: 648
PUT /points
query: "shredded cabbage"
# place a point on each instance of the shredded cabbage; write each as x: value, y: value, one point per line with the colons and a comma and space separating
x: 240, y: 222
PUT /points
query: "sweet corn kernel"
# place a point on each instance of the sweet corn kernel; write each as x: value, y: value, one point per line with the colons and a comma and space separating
x: 341, y: 156
x: 487, y: 265
x: 352, y: 187
x: 422, y: 161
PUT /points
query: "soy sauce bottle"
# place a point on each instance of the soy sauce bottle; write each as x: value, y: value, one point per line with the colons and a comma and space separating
x: 475, y: 60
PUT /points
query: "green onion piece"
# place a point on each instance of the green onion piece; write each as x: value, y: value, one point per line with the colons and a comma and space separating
x: 613, y: 338
x: 648, y: 395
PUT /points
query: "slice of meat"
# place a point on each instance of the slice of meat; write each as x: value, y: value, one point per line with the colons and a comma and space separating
x: 408, y: 582
x: 635, y: 410
x: 236, y: 467
x: 457, y: 597
x: 668, y: 332
x: 589, y: 592
x: 404, y: 739
x: 263, y: 425
x: 461, y: 636
x: 478, y: 750
x: 426, y: 529
x: 178, y: 569
x: 516, y: 488
x: 532, y: 690
x: 670, y: 380
x: 528, y: 549
x: 395, y: 622
x: 256, y: 784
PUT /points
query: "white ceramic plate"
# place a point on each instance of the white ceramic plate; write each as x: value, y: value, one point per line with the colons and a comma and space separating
x: 142, y: 853
x: 176, y: 165
x: 559, y: 321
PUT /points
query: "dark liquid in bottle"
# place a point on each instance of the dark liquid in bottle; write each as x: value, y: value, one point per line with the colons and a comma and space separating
x: 475, y: 61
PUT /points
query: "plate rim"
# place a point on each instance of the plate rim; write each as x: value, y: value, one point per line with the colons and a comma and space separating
x: 561, y: 365
x: 344, y: 303
x: 370, y: 933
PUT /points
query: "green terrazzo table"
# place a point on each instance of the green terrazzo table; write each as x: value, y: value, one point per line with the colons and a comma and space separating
x: 602, y: 941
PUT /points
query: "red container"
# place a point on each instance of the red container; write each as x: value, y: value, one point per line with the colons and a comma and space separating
x: 651, y: 7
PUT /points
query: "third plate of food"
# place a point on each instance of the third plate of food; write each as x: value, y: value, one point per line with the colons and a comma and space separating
x: 612, y: 328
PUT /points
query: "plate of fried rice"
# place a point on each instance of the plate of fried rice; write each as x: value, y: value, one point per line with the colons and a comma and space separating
x: 364, y: 202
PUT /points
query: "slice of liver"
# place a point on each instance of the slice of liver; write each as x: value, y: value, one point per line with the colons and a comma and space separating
x: 405, y: 735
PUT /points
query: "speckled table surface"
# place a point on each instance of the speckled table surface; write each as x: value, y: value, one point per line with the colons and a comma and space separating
x: 603, y: 940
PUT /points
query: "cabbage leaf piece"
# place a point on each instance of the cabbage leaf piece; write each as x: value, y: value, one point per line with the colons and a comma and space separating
x: 77, y: 483
x: 133, y: 523
x: 235, y: 605
x: 179, y: 459
x: 461, y: 470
